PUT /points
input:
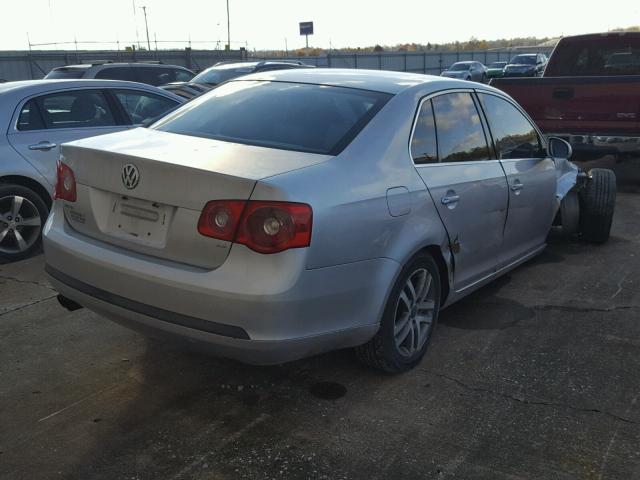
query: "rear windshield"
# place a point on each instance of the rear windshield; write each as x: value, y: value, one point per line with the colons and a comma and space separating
x: 283, y: 115
x: 458, y: 67
x: 66, y: 73
x: 614, y: 56
x: 215, y: 76
x: 523, y: 60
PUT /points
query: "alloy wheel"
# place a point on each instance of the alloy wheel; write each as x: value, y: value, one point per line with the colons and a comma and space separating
x: 20, y: 224
x: 414, y: 313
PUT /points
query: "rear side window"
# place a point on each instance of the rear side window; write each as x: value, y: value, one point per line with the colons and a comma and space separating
x: 424, y: 148
x: 288, y: 116
x: 513, y: 134
x: 155, y: 75
x: 76, y: 109
x: 116, y: 73
x: 30, y: 118
x: 460, y: 134
x: 182, y: 75
x: 143, y: 107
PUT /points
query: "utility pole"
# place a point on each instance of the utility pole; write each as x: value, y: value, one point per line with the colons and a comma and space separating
x: 146, y: 25
x: 228, y: 28
x: 135, y: 22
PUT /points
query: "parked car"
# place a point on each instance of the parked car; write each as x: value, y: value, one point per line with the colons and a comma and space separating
x: 588, y: 94
x: 474, y: 71
x: 223, y: 71
x: 496, y: 69
x: 35, y: 118
x: 151, y: 73
x: 293, y: 212
x: 526, y: 65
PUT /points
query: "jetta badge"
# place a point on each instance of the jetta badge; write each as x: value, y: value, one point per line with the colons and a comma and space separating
x: 130, y: 176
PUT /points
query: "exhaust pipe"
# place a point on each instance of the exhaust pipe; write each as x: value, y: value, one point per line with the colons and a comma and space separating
x: 68, y: 303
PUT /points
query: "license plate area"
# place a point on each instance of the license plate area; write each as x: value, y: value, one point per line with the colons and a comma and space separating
x: 140, y: 221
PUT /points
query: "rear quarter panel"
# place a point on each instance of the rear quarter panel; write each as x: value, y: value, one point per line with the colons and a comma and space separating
x: 348, y: 194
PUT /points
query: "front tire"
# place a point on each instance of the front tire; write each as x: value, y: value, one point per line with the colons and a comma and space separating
x: 22, y: 216
x: 408, y: 320
x: 597, y: 204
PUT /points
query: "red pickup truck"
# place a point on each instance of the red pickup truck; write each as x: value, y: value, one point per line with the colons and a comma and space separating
x: 589, y: 94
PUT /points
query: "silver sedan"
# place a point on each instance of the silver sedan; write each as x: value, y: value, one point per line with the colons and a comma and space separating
x: 36, y: 116
x: 290, y: 213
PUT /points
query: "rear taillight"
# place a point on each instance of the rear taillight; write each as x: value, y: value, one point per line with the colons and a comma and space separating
x: 65, y: 183
x: 265, y: 227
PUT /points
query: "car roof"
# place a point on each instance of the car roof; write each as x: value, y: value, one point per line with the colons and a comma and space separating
x: 376, y: 80
x: 29, y: 87
x: 86, y: 66
x: 233, y: 65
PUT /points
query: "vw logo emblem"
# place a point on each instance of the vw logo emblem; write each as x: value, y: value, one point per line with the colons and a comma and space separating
x: 130, y: 176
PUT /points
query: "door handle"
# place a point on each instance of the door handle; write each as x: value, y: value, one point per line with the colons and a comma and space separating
x: 516, y: 187
x: 450, y: 199
x: 45, y: 146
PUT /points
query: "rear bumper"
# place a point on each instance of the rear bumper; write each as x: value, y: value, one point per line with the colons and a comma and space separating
x: 255, y: 308
x: 604, y: 144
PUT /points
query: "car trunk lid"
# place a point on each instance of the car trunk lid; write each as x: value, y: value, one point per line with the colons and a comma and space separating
x: 144, y: 190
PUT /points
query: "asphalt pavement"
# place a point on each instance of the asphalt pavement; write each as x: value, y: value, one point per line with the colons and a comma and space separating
x: 536, y: 376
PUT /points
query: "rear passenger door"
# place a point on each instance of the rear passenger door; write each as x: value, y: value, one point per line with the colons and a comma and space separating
x: 531, y: 175
x: 46, y: 121
x: 451, y: 153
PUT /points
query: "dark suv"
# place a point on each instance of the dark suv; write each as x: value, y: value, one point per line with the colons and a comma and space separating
x: 151, y: 73
x: 223, y: 71
x: 526, y: 65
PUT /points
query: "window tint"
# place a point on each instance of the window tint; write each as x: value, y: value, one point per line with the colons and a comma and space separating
x: 116, y: 73
x: 155, y: 75
x: 616, y: 56
x: 460, y: 133
x: 424, y: 148
x: 289, y: 116
x: 30, y: 118
x: 76, y: 109
x: 142, y: 107
x: 66, y: 73
x: 217, y: 75
x: 513, y: 134
x: 182, y: 75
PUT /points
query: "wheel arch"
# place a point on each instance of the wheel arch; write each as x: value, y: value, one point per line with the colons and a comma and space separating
x: 34, y: 185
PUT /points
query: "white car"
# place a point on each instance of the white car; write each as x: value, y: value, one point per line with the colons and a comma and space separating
x: 37, y: 116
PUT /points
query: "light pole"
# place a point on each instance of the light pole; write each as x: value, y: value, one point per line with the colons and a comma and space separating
x: 146, y: 25
x: 228, y: 28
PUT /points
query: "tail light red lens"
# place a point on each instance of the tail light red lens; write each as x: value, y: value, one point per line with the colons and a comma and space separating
x: 265, y: 227
x: 220, y: 218
x: 65, y: 183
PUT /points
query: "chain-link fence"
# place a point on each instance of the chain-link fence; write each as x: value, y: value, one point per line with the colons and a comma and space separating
x: 25, y: 65
x: 21, y: 65
x: 418, y: 62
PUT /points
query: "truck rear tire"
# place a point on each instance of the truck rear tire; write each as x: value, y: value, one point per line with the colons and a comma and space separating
x: 597, y: 204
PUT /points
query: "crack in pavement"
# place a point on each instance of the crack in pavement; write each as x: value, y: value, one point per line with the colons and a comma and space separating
x: 531, y: 402
x: 29, y: 282
x: 22, y: 307
x: 567, y: 308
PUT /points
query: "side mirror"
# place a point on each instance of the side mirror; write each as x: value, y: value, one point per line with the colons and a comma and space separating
x: 559, y: 148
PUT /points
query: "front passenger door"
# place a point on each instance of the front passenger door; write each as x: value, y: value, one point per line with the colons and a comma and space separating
x: 531, y: 175
x: 469, y: 189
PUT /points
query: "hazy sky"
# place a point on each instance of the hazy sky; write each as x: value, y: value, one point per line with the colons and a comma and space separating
x: 266, y: 23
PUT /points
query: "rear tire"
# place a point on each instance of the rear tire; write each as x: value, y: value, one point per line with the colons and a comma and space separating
x: 22, y: 216
x: 408, y: 320
x: 597, y: 204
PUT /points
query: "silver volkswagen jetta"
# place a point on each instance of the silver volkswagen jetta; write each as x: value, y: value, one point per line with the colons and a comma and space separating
x: 289, y: 213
